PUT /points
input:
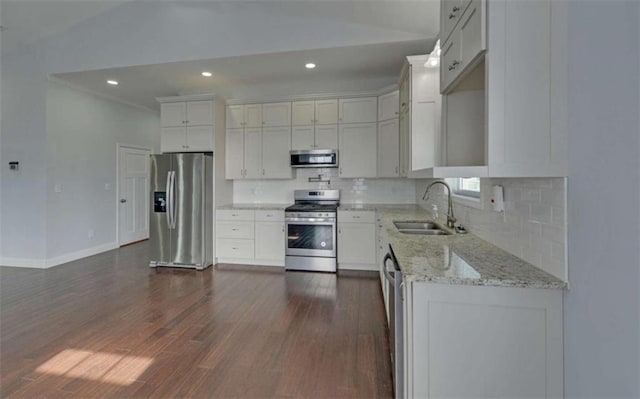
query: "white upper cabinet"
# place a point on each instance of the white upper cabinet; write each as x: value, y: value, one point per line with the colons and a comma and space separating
x: 388, y: 148
x: 252, y: 153
x: 358, y: 150
x: 303, y: 113
x: 326, y: 137
x: 187, y: 126
x: 320, y: 112
x: 234, y: 159
x: 302, y: 138
x: 276, y: 143
x: 252, y: 115
x: 173, y: 114
x: 466, y: 43
x: 389, y: 106
x: 505, y: 112
x: 247, y: 115
x: 326, y: 112
x: 358, y: 110
x: 235, y: 116
x: 191, y: 113
x: 276, y: 114
x: 199, y: 113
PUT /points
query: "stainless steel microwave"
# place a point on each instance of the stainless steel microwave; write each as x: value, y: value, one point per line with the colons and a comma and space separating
x: 314, y: 159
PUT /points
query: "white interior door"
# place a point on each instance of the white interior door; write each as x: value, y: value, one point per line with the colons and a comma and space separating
x: 133, y: 201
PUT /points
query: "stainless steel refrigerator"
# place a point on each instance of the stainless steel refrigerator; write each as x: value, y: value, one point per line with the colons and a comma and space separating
x: 181, y: 222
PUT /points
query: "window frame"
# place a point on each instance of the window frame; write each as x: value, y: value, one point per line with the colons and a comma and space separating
x: 468, y: 198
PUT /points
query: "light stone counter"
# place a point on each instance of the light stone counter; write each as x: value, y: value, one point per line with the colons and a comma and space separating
x: 257, y: 207
x: 463, y: 259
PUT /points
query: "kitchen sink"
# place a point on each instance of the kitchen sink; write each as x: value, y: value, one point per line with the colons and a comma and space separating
x: 426, y: 228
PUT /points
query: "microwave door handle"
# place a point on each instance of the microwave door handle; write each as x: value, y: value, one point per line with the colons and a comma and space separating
x: 388, y: 275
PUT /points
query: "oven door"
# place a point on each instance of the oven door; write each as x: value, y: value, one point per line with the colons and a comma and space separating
x: 311, y: 237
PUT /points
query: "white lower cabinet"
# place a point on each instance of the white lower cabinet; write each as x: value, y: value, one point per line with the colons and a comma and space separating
x: 250, y: 237
x: 480, y: 341
x: 356, y: 240
x: 235, y: 235
x: 270, y: 240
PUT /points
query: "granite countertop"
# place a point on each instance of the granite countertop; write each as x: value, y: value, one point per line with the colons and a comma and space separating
x: 463, y: 259
x: 257, y: 207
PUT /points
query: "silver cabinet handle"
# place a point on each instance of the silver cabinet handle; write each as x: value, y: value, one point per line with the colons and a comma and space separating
x: 356, y: 217
x: 453, y: 65
x: 396, y: 169
x: 454, y: 11
x: 122, y: 200
x: 340, y: 170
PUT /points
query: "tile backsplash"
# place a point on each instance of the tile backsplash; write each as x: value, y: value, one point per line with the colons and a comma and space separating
x: 352, y: 191
x: 533, y: 225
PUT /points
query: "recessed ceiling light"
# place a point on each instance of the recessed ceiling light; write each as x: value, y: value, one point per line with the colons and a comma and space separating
x: 310, y: 65
x: 207, y: 74
x: 112, y: 82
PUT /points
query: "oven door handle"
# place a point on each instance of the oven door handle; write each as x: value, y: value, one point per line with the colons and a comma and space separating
x: 386, y: 271
x: 310, y: 220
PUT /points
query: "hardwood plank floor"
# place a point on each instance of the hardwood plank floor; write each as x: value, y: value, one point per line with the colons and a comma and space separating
x: 109, y: 326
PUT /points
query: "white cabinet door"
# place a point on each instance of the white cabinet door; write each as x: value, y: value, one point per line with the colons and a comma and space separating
x: 358, y: 150
x: 276, y: 114
x: 270, y: 241
x: 200, y: 138
x: 252, y: 153
x: 172, y: 114
x: 450, y: 13
x: 234, y: 157
x: 389, y: 106
x: 357, y: 243
x: 302, y: 138
x: 326, y: 112
x: 252, y: 115
x: 389, y: 148
x: 199, y: 113
x: 276, y: 143
x: 358, y: 110
x: 173, y: 139
x: 235, y: 116
x: 405, y: 149
x: 302, y: 113
x: 326, y: 137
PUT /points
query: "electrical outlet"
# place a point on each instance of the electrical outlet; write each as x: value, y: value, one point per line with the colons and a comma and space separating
x: 90, y: 234
x: 107, y: 186
x: 57, y: 188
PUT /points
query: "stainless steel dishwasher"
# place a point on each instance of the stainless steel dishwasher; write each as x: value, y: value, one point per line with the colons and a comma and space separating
x: 396, y: 329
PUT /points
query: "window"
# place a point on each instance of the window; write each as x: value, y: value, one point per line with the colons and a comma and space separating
x: 465, y: 186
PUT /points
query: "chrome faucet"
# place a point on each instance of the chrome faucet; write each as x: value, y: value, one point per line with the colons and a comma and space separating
x: 451, y: 220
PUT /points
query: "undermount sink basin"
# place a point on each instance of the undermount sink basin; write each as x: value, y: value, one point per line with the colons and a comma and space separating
x: 426, y: 228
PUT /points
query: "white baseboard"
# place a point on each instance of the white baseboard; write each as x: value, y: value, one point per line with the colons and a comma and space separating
x: 58, y: 260
x: 24, y: 262
x: 252, y: 262
x: 69, y: 257
x: 357, y: 266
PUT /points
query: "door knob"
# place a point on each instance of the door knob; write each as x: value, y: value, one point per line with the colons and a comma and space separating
x: 123, y: 200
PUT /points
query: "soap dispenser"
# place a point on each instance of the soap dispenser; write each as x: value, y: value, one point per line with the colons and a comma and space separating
x: 434, y: 212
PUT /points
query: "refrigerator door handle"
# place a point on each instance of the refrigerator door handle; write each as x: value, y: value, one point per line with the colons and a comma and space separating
x: 168, y: 199
x: 173, y: 200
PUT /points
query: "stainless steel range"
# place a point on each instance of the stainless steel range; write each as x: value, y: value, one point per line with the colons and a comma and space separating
x: 311, y: 231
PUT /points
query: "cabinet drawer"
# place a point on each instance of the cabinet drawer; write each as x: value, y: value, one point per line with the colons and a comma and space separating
x: 270, y: 216
x: 234, y: 214
x: 236, y: 229
x: 232, y: 248
x: 356, y: 217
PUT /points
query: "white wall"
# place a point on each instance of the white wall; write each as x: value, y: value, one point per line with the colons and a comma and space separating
x: 352, y: 191
x: 23, y: 139
x: 532, y: 227
x: 602, y: 308
x: 82, y: 131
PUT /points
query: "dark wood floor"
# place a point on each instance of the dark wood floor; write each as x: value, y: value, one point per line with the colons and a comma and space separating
x: 109, y: 326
